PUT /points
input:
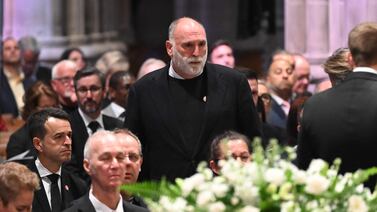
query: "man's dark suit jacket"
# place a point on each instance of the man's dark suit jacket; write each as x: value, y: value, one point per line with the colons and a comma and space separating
x: 84, y: 205
x: 72, y: 188
x: 79, y: 137
x: 276, y: 115
x: 43, y: 74
x: 341, y: 122
x: 150, y: 114
x: 7, y: 100
x: 20, y: 142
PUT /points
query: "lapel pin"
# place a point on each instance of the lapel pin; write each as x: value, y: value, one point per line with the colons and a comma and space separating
x: 66, y: 187
x: 205, y: 99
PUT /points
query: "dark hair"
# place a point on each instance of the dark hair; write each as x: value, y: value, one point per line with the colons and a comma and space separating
x: 116, y: 77
x: 36, y: 121
x: 67, y: 52
x: 32, y: 96
x: 218, y: 43
x: 215, y: 152
x: 88, y: 71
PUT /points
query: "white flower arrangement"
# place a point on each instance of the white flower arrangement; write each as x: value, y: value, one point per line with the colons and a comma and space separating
x: 268, y: 183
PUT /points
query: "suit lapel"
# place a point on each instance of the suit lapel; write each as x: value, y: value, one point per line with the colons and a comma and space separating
x: 65, y: 189
x: 162, y: 101
x: 40, y: 195
x: 216, y: 92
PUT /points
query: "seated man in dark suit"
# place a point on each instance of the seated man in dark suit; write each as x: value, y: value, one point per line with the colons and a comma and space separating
x: 105, y: 164
x: 132, y: 145
x: 89, y: 86
x: 50, y: 130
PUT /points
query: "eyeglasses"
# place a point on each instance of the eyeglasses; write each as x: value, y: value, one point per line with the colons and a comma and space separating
x: 64, y: 80
x: 134, y: 157
x: 92, y: 89
x: 266, y: 98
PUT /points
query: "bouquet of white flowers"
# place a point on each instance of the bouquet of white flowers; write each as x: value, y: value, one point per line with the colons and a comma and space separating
x: 268, y: 183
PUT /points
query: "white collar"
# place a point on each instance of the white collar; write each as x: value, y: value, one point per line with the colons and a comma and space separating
x: 174, y: 74
x: 115, y: 108
x: 87, y: 119
x: 365, y: 69
x: 99, y: 206
x: 43, y: 171
x: 278, y: 99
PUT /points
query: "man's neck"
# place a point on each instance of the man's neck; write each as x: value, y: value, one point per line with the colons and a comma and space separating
x: 50, y: 165
x: 108, y: 197
x: 12, y: 69
x: 285, y: 95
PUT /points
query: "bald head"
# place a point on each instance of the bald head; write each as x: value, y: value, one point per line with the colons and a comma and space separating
x: 184, y: 24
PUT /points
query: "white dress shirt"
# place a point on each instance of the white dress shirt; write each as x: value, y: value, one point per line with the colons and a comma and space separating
x: 100, y: 207
x: 43, y: 173
x: 87, y: 120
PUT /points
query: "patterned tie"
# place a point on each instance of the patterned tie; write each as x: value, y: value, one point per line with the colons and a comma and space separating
x: 56, y: 201
x: 94, y: 126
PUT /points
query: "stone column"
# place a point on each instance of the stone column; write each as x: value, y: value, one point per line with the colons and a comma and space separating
x: 76, y: 22
x: 295, y: 25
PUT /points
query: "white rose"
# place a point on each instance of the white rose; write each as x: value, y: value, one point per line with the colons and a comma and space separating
x: 216, y: 207
x: 249, y: 208
x: 219, y: 190
x: 275, y: 176
x: 357, y: 204
x: 316, y: 184
x: 299, y: 176
x: 316, y: 166
x: 190, y: 183
x: 204, y: 198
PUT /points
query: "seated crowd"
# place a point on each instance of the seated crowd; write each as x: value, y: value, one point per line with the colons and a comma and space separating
x: 86, y: 130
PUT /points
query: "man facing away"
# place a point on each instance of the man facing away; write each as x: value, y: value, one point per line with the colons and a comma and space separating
x: 105, y: 164
x: 51, y: 133
x: 176, y: 110
x: 341, y: 122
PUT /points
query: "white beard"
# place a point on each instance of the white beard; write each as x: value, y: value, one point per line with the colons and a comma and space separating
x: 183, y: 63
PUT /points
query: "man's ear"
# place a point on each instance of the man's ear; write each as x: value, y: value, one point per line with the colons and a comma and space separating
x: 86, y: 166
x: 38, y: 144
x: 214, y: 167
x: 169, y: 47
x: 350, y: 60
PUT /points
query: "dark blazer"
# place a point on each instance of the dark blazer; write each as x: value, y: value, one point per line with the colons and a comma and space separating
x: 72, y: 188
x: 7, y: 101
x: 150, y: 114
x: 19, y: 142
x: 84, y: 205
x: 276, y: 115
x: 79, y: 137
x: 43, y: 73
x: 341, y: 122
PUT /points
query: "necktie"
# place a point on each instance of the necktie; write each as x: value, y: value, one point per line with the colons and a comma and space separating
x: 56, y: 201
x: 94, y: 126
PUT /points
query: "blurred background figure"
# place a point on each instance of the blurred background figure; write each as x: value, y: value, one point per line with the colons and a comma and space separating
x: 76, y: 55
x: 229, y: 144
x: 12, y: 81
x: 337, y: 66
x: 111, y: 62
x: 133, y: 150
x: 119, y: 84
x: 301, y: 74
x: 221, y: 52
x: 280, y: 80
x: 149, y: 65
x: 62, y: 83
x: 17, y: 186
x: 30, y: 51
x: 37, y: 97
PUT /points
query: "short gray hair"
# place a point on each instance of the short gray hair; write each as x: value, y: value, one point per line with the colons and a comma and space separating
x: 99, y: 135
